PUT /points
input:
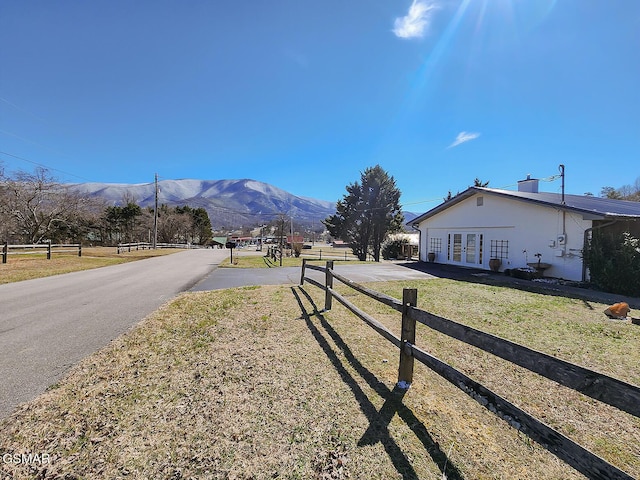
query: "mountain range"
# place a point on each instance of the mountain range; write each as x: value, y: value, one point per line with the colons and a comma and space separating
x: 229, y: 203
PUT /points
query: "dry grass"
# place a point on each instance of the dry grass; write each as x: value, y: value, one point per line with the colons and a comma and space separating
x: 254, y: 383
x: 26, y: 267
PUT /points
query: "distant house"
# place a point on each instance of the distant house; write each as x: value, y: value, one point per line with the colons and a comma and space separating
x: 219, y: 241
x: 520, y: 228
x: 295, y: 239
x: 339, y: 244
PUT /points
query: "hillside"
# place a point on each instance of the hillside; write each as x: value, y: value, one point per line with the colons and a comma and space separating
x: 228, y: 202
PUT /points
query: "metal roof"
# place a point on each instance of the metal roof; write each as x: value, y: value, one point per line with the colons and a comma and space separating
x: 594, y: 207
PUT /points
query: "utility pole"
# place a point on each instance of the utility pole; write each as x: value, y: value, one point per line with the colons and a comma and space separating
x: 564, y: 212
x: 155, y: 218
x: 561, y: 168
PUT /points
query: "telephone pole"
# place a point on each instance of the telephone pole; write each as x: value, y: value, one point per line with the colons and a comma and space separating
x: 155, y: 218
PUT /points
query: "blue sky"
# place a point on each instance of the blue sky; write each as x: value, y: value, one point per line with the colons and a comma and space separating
x: 306, y: 95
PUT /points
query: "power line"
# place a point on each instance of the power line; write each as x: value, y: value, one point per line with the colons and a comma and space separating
x: 43, y: 165
x: 22, y: 109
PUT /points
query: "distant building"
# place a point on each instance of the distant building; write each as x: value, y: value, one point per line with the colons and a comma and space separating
x: 296, y: 239
x: 219, y: 242
x: 339, y: 244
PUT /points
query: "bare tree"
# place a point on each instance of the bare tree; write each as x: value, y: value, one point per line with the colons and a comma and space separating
x: 37, y: 208
x: 173, y: 226
x: 625, y: 192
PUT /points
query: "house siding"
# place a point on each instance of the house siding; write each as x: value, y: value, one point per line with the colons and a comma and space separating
x: 524, y: 227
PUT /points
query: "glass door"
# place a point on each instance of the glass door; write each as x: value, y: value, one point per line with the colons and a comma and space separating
x: 466, y: 248
x: 471, y: 248
x: 457, y: 247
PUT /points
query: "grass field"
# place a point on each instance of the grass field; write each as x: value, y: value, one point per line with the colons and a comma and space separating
x: 255, y: 383
x: 26, y: 267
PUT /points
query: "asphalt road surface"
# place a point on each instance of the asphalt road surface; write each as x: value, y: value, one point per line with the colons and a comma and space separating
x: 49, y: 324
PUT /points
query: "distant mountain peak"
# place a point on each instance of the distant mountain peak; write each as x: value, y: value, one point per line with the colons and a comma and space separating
x: 244, y: 201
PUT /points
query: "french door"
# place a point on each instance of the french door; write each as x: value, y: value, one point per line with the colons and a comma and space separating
x: 466, y: 248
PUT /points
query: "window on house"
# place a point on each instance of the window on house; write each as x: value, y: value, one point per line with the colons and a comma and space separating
x: 479, y: 201
x: 435, y: 245
x: 500, y: 249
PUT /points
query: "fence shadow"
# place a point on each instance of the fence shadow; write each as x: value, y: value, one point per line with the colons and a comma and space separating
x: 379, y: 421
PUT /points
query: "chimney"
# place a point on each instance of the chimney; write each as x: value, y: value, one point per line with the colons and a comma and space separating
x: 529, y: 185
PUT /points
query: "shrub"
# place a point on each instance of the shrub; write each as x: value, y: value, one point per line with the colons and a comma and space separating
x: 297, y: 249
x: 614, y: 262
x: 393, y: 248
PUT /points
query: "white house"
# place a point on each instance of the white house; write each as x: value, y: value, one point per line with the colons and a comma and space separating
x: 546, y: 230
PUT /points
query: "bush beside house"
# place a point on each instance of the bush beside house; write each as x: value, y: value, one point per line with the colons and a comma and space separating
x: 614, y: 262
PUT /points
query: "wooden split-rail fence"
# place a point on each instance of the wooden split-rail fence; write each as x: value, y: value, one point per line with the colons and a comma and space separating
x: 128, y: 247
x: 42, y: 248
x: 603, y: 388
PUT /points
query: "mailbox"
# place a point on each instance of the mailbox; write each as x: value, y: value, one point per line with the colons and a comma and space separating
x: 231, y: 245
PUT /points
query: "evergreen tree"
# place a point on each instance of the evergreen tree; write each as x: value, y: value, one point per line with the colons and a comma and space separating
x: 367, y: 213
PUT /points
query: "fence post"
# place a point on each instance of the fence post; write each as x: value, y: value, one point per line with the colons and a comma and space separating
x: 79, y: 249
x: 5, y: 251
x: 408, y: 336
x: 304, y: 264
x: 329, y: 284
x: 48, y: 249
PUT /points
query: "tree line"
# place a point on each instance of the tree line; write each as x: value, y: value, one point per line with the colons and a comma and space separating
x: 35, y: 207
x: 626, y: 192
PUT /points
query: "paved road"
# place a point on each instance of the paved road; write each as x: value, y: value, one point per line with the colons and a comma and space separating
x: 49, y: 324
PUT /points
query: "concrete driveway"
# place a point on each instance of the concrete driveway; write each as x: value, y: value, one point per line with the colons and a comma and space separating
x: 359, y: 273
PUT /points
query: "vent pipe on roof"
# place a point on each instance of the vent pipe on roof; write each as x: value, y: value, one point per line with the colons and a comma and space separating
x: 529, y: 185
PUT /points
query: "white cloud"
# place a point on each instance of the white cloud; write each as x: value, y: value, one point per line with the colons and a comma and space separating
x: 417, y: 20
x: 464, y: 137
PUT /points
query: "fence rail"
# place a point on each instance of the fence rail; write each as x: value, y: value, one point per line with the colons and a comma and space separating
x: 275, y: 253
x: 47, y: 248
x: 128, y: 247
x: 603, y: 388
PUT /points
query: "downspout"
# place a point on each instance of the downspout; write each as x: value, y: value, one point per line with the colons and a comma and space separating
x: 564, y: 212
x: 413, y: 225
x: 585, y: 241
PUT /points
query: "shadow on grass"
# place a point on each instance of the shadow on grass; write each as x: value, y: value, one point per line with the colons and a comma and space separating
x: 268, y: 263
x: 379, y: 421
x: 474, y: 275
